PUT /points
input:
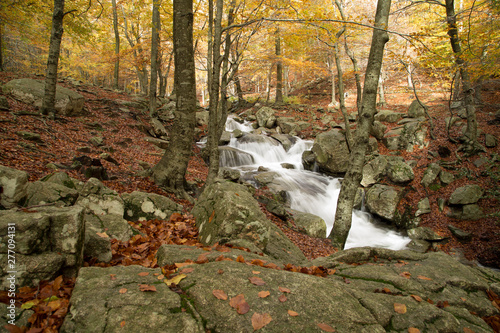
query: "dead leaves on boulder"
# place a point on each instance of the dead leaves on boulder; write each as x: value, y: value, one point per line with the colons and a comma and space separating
x: 260, y: 320
x: 240, y: 304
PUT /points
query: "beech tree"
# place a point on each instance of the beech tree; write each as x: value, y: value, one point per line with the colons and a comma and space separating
x: 350, y: 184
x: 155, y: 40
x: 56, y: 34
x: 116, y: 73
x: 171, y: 170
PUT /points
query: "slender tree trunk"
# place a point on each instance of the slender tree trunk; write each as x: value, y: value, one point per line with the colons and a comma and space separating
x: 357, y: 77
x: 49, y: 97
x: 164, y: 79
x: 468, y: 92
x: 381, y: 90
x: 170, y: 171
x: 239, y: 91
x: 279, y: 69
x: 1, y: 47
x: 117, y: 46
x: 343, y: 215
x: 334, y: 104
x: 213, y: 122
x: 155, y: 39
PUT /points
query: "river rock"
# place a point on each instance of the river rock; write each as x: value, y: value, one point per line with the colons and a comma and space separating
x: 67, y: 103
x: 400, y: 172
x: 424, y: 233
x: 232, y: 157
x: 286, y: 124
x: 148, y: 206
x: 103, y: 304
x: 49, y: 242
x: 331, y: 152
x: 416, y: 110
x: 229, y: 174
x: 13, y: 184
x: 40, y: 193
x: 459, y: 233
x: 388, y: 116
x: 374, y: 171
x: 423, y: 207
x: 285, y: 140
x: 468, y: 194
x: 470, y: 212
x: 312, y: 225
x: 378, y: 130
x: 265, y: 117
x: 430, y: 174
x: 227, y: 212
x: 383, y: 200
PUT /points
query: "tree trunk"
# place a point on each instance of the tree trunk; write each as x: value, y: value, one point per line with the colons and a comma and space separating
x: 468, y: 92
x: 343, y: 215
x: 170, y: 171
x: 155, y: 36
x: 117, y: 46
x: 1, y: 47
x: 239, y: 91
x: 381, y: 91
x: 356, y: 74
x: 49, y: 97
x: 334, y: 104
x: 279, y: 70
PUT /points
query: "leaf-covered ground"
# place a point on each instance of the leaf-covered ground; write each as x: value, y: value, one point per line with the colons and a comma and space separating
x: 122, y: 131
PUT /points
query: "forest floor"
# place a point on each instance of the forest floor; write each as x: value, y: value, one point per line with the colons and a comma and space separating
x: 62, y: 137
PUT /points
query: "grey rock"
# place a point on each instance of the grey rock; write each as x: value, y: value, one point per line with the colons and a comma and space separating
x: 68, y: 102
x: 232, y: 157
x: 424, y: 233
x: 388, y: 116
x: 287, y: 124
x: 430, y: 174
x: 446, y: 177
x: 383, y: 200
x: 468, y: 194
x: 202, y: 118
x: 4, y: 103
x: 374, y: 171
x: 30, y: 136
x: 265, y: 117
x: 459, y: 233
x: 331, y: 152
x: 416, y: 110
x: 400, y: 172
x: 312, y: 225
x: 148, y: 206
x: 230, y: 174
x: 378, y: 130
x: 60, y: 178
x: 423, y: 207
x: 160, y: 143
x: 9, y: 314
x: 470, y: 212
x: 97, y: 305
x: 40, y: 193
x: 97, y: 246
x: 97, y: 141
x: 490, y: 141
x: 13, y: 184
x: 225, y: 138
x: 285, y: 140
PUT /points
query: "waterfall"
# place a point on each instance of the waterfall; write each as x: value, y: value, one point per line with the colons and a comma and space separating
x: 308, y: 191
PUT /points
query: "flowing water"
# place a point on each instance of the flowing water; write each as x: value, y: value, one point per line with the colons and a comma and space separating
x: 307, y: 191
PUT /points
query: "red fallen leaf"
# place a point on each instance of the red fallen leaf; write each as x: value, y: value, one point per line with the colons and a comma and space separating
x: 146, y: 287
x: 221, y: 248
x: 123, y: 291
x: 238, y: 302
x: 430, y: 301
x: 240, y: 259
x: 292, y: 313
x: 271, y: 265
x: 284, y: 290
x: 417, y: 298
x: 400, y: 308
x: 220, y: 271
x: 255, y: 272
x: 282, y: 298
x: 326, y: 327
x: 386, y: 291
x: 258, y: 262
x: 13, y: 328
x: 57, y: 283
x: 256, y: 281
x: 468, y: 330
x: 263, y: 294
x: 202, y: 259
x: 405, y: 275
x: 143, y: 274
x: 187, y: 270
x: 421, y: 277
x: 331, y: 271
x: 442, y: 304
x: 211, y: 217
x: 260, y: 320
x: 122, y: 324
x: 220, y: 294
x: 413, y: 330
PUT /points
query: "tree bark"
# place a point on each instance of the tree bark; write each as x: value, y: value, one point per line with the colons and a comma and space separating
x: 116, y: 74
x: 49, y: 97
x: 1, y: 47
x: 381, y: 91
x: 467, y: 90
x: 155, y: 36
x: 279, y: 69
x: 170, y: 171
x: 343, y: 215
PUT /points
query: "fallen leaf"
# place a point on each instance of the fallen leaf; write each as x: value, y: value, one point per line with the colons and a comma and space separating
x: 292, y: 313
x: 421, y: 277
x: 400, y: 308
x: 54, y: 305
x: 386, y: 290
x: 123, y: 290
x: 175, y: 280
x: 238, y: 302
x: 255, y: 272
x: 102, y: 234
x: 468, y: 330
x: 331, y: 271
x: 282, y: 298
x: 413, y: 330
x: 122, y: 324
x: 187, y: 270
x: 256, y: 281
x: 463, y: 299
x: 112, y: 277
x: 405, y: 275
x: 326, y: 327
x: 160, y: 277
x: 260, y: 320
x: 211, y: 217
x: 284, y: 290
x: 220, y: 294
x: 417, y: 298
x: 240, y: 259
x: 146, y: 287
x: 13, y: 328
x: 143, y: 274
x: 183, y: 264
x: 264, y: 294
x: 202, y: 259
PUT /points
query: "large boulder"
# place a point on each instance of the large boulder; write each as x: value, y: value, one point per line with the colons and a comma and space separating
x: 383, y: 200
x: 416, y: 110
x: 312, y: 225
x: 13, y: 184
x: 287, y: 125
x: 265, y: 117
x: 406, y: 136
x: 468, y: 194
x: 39, y: 193
x: 388, y: 116
x: 148, y: 206
x: 400, y: 172
x: 49, y: 241
x: 374, y: 170
x: 116, y: 299
x: 68, y: 102
x: 331, y: 152
x: 226, y: 212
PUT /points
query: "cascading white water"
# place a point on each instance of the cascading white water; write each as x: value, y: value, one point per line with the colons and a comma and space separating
x: 308, y: 191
